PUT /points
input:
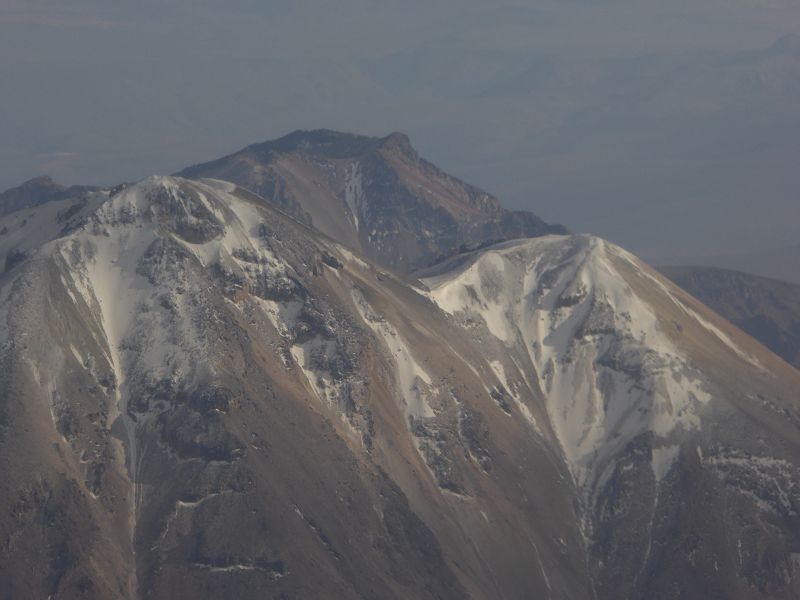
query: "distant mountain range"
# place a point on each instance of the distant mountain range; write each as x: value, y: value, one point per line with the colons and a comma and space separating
x: 205, y: 393
x: 767, y: 309
x: 37, y: 191
x: 776, y: 263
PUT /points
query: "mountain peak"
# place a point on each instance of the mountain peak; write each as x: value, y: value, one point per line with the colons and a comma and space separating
x: 44, y: 180
x: 400, y: 142
x: 376, y: 195
x: 575, y: 306
x: 338, y: 145
x: 318, y: 142
x: 36, y: 191
x: 39, y: 182
x: 788, y: 44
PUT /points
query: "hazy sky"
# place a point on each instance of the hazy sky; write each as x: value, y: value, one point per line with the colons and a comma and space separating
x: 671, y: 127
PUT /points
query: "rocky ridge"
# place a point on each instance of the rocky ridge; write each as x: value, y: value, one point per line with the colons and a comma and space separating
x: 376, y: 195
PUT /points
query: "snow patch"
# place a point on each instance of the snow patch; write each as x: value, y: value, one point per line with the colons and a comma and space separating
x: 414, y: 382
x: 282, y: 315
x: 309, y: 356
x: 771, y: 483
x: 219, y: 184
x: 478, y: 290
x: 662, y: 460
x: 353, y: 191
x: 350, y: 257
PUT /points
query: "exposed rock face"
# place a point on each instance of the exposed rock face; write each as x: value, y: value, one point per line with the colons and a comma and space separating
x: 375, y: 195
x: 767, y: 309
x: 203, y: 397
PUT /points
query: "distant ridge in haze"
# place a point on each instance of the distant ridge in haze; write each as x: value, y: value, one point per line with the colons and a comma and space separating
x: 767, y: 309
x: 37, y: 191
x: 775, y: 263
x: 375, y: 194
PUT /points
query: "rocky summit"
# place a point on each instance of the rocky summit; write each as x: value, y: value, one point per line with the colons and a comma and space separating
x: 377, y: 195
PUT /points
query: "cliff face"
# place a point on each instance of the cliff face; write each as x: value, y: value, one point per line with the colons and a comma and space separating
x: 374, y: 194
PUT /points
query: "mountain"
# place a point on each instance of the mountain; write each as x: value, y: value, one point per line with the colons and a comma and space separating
x: 36, y: 191
x: 201, y: 396
x: 767, y: 309
x: 777, y: 263
x: 375, y: 195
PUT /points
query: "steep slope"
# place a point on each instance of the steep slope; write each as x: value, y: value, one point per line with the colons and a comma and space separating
x: 203, y: 397
x: 375, y: 195
x: 679, y: 431
x: 767, y: 309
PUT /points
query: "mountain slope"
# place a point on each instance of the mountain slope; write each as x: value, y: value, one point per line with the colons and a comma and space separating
x: 658, y: 406
x: 375, y: 195
x: 201, y: 396
x: 203, y: 388
x: 767, y: 309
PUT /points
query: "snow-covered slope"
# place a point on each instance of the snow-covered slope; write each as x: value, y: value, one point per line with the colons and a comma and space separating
x: 201, y: 396
x: 640, y: 383
x: 609, y: 369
